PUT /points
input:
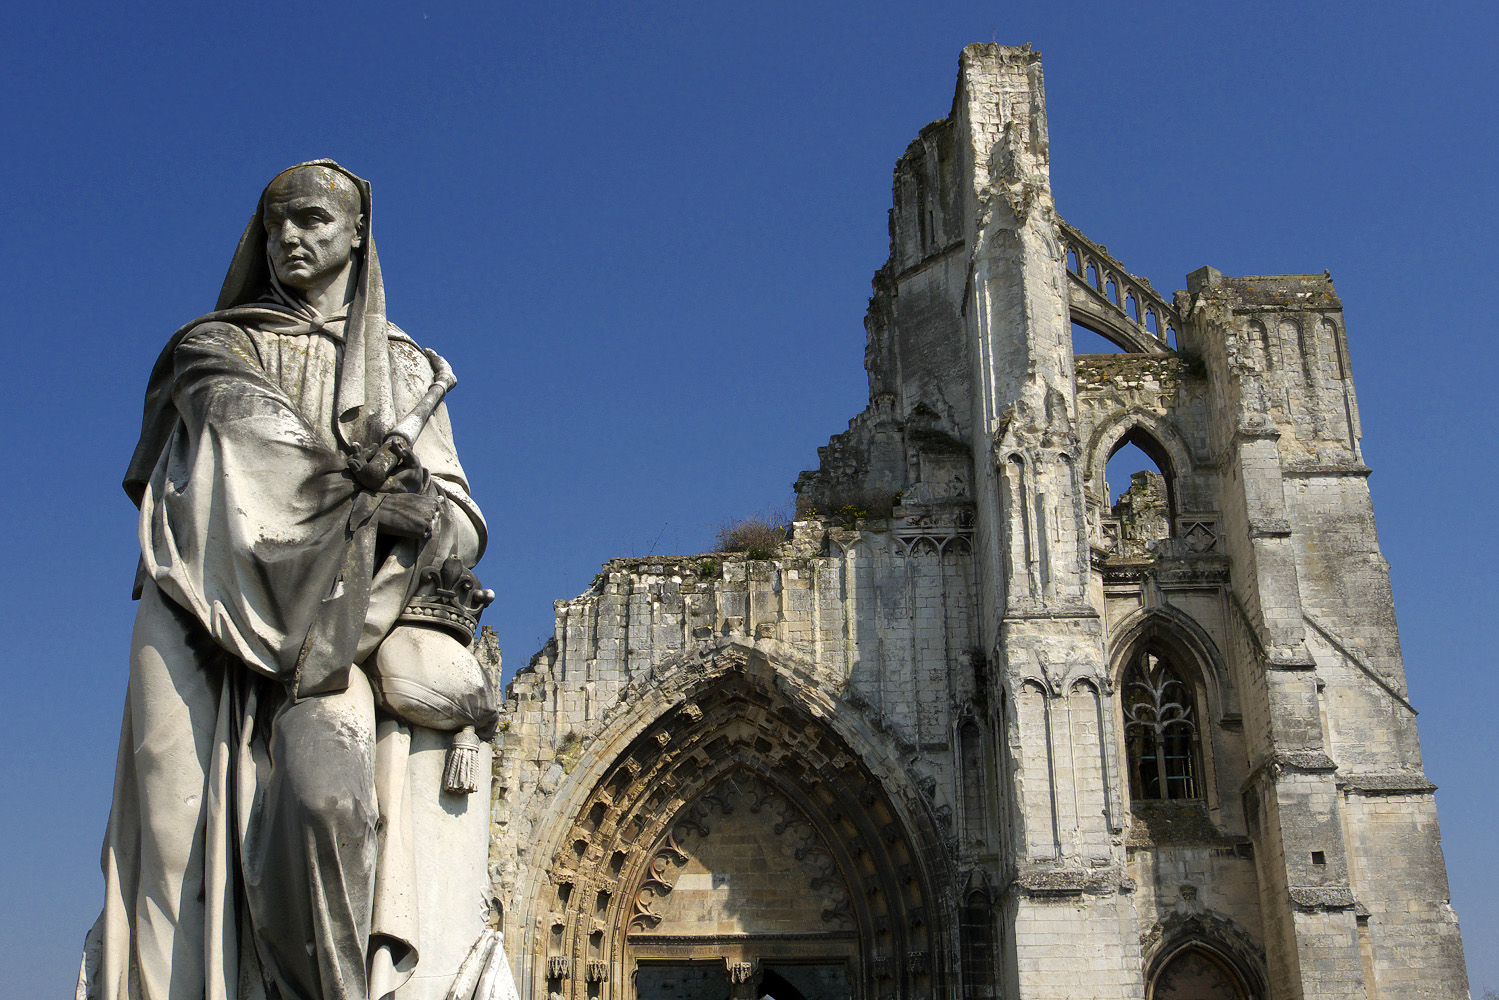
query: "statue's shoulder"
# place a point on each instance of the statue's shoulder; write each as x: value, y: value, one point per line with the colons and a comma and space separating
x: 406, y: 357
x: 237, y: 319
x: 400, y: 340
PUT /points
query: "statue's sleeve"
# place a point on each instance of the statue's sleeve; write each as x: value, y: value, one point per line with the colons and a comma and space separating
x: 411, y: 374
x: 248, y: 518
x: 436, y: 451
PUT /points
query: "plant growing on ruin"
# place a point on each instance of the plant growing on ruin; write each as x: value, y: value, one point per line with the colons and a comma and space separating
x: 759, y: 536
x: 845, y: 505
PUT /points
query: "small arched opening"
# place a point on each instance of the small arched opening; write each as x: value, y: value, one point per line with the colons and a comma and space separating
x: 1140, y: 483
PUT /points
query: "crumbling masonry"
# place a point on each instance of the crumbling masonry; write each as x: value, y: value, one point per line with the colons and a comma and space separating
x: 976, y: 732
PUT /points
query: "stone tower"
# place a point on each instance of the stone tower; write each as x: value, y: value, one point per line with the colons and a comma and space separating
x: 973, y: 730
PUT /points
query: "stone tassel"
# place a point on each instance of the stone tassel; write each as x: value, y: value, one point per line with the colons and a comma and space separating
x: 467, y: 981
x: 461, y: 773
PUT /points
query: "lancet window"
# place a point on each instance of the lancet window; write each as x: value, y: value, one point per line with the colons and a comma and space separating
x: 1160, y: 730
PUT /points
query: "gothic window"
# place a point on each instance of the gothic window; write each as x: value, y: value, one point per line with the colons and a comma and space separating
x: 977, y: 929
x: 1160, y: 730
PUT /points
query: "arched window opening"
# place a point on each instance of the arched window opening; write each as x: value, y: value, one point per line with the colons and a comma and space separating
x: 1160, y: 729
x: 1086, y: 341
x: 1127, y: 462
x: 1197, y: 974
x: 1142, y: 508
x: 1171, y: 337
x: 1132, y: 307
x: 976, y: 928
x: 1072, y: 260
x: 1092, y: 274
x: 1111, y: 291
x: 1150, y: 322
x: 975, y: 787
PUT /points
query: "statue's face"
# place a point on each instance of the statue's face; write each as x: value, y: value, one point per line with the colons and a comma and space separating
x: 312, y: 222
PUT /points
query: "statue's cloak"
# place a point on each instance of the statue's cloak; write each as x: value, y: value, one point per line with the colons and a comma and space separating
x: 264, y: 582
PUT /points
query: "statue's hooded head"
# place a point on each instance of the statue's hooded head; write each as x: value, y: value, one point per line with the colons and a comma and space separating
x: 263, y: 272
x: 253, y: 293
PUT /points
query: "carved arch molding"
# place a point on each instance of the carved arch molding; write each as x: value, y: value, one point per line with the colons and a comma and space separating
x: 740, y: 771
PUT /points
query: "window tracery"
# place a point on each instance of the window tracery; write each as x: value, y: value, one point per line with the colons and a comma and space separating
x: 1160, y: 730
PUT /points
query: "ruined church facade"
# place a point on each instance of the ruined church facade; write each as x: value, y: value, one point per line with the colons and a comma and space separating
x: 974, y: 730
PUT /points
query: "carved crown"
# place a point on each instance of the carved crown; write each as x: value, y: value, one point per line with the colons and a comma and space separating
x: 449, y: 597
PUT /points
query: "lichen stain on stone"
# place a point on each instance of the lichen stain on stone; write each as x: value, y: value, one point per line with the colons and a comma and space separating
x: 569, y: 755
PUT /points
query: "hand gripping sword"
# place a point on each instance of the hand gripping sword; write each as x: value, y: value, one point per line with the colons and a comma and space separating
x: 398, y: 443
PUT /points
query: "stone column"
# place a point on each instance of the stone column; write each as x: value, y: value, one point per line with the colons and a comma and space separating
x: 1073, y: 933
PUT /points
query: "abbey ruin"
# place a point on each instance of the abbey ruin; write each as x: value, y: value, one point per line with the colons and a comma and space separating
x: 979, y: 729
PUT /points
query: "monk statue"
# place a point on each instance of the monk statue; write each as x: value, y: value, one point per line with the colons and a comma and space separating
x: 301, y: 805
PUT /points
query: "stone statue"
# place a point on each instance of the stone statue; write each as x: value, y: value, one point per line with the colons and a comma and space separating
x: 306, y: 601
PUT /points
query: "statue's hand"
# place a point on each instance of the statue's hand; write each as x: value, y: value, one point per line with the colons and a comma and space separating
x: 389, y: 467
x: 410, y: 515
x: 408, y: 477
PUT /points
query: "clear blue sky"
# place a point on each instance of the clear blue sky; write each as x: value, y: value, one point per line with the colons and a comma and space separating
x: 644, y: 238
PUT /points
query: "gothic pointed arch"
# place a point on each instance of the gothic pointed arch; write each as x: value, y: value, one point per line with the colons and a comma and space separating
x: 739, y: 826
x: 1168, y: 679
x: 1187, y: 642
x: 1203, y: 954
x: 1152, y: 434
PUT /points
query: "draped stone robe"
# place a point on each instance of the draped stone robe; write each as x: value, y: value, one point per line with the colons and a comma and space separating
x: 260, y: 837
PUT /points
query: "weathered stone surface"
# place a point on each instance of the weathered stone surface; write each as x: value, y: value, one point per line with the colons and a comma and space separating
x: 924, y: 690
x: 284, y: 823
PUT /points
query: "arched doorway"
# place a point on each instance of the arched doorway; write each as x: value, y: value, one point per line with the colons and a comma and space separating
x: 738, y: 842
x: 743, y: 876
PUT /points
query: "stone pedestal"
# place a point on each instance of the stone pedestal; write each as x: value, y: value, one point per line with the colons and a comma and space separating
x: 451, y: 832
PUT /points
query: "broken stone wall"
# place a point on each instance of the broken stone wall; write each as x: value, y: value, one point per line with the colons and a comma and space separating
x: 931, y: 671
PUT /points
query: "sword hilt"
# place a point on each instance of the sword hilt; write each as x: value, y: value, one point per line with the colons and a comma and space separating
x: 402, y: 437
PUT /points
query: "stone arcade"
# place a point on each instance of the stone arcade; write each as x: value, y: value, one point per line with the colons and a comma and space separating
x: 975, y: 732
